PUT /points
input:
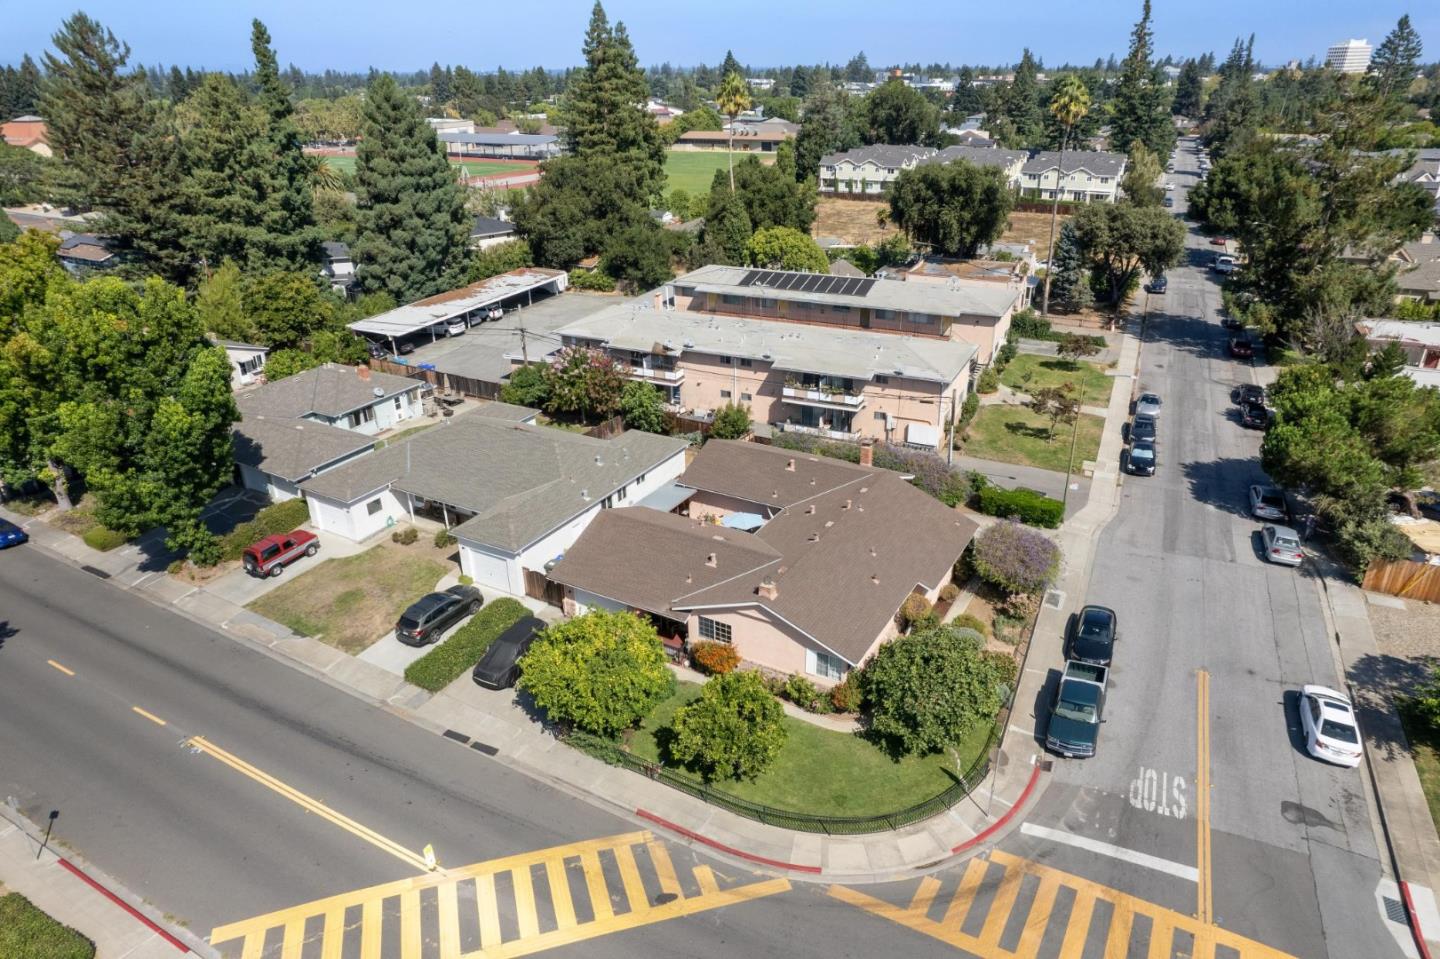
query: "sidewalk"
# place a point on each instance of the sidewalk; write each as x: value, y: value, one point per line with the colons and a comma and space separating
x: 1408, y: 832
x: 119, y: 924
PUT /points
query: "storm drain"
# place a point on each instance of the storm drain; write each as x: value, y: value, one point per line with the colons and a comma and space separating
x: 1054, y: 598
x: 1394, y: 910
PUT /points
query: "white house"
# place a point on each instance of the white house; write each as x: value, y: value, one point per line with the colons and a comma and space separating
x: 1088, y: 175
x: 868, y: 170
x: 515, y: 495
x: 1419, y: 341
x: 247, y: 362
x: 339, y: 267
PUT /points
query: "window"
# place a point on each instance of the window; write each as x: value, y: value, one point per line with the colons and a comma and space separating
x: 746, y: 397
x: 621, y: 493
x: 880, y: 414
x: 710, y: 629
x: 640, y: 479
x: 882, y: 314
x: 839, y: 309
x: 730, y: 299
x: 829, y: 666
x: 1104, y: 179
x: 745, y: 361
x: 399, y: 404
x: 253, y: 365
x: 726, y: 361
x: 882, y: 380
x: 724, y: 394
x: 372, y: 507
x: 922, y: 318
x: 361, y: 417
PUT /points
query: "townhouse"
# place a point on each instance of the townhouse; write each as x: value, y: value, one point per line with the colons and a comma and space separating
x: 869, y: 171
x: 1087, y: 176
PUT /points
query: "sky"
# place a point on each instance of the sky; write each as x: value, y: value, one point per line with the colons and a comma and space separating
x: 484, y: 34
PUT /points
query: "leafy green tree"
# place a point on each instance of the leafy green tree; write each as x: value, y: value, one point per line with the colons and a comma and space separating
x: 1141, y: 106
x: 770, y: 195
x: 602, y: 672
x: 952, y: 208
x: 411, y: 210
x: 639, y: 255
x: 223, y: 150
x: 583, y: 382
x: 925, y: 691
x: 526, y: 386
x: 1075, y: 347
x: 1068, y: 106
x: 731, y: 422
x: 1393, y: 65
x: 727, y: 229
x: 785, y: 248
x: 500, y: 258
x: 643, y: 407
x: 1141, y: 183
x: 9, y: 232
x: 220, y: 305
x: 287, y: 362
x: 1189, y: 91
x: 576, y: 211
x: 733, y: 98
x: 896, y: 113
x: 830, y: 127
x: 1121, y: 241
x: 25, y: 177
x: 734, y: 730
x: 285, y: 309
x: 1058, y: 404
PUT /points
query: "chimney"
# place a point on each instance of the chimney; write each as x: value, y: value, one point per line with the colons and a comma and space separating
x: 363, y: 371
x: 875, y: 579
x: 767, y: 589
x: 815, y: 537
x: 657, y: 299
x: 810, y: 510
x: 710, y: 561
x: 790, y: 466
x: 847, y: 505
x: 867, y: 452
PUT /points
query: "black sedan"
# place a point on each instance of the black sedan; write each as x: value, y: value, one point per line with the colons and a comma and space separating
x: 429, y: 616
x: 1250, y: 393
x: 1141, y: 461
x: 1254, y: 416
x: 1142, y: 429
x: 11, y: 535
x: 1092, y: 635
x: 500, y: 666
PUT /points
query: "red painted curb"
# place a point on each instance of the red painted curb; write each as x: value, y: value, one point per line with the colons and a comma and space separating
x: 127, y: 907
x: 1024, y: 795
x: 1414, y: 922
x: 643, y: 814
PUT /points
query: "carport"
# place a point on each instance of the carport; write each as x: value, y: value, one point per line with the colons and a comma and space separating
x: 465, y: 304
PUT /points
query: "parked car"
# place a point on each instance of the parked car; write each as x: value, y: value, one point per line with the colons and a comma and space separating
x: 1219, y: 241
x: 271, y: 555
x: 1169, y: 201
x: 405, y: 347
x: 377, y: 351
x: 1254, y: 416
x: 1169, y: 185
x: 1268, y: 502
x: 1142, y: 428
x: 11, y: 535
x: 500, y: 666
x: 456, y: 326
x: 1241, y: 347
x: 495, y: 312
x: 1158, y: 284
x: 1141, y: 461
x: 1282, y: 545
x: 1251, y: 393
x: 1331, y: 732
x: 1231, y: 323
x: 1148, y: 405
x: 1225, y: 264
x: 430, y: 615
x: 1092, y: 635
x: 1078, y: 711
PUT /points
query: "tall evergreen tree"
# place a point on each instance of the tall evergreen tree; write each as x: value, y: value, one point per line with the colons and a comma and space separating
x: 967, y: 98
x: 288, y: 238
x: 1189, y: 90
x: 222, y: 151
x: 1233, y: 111
x: 25, y: 94
x: 829, y: 127
x: 439, y: 86
x: 1020, y: 103
x: 731, y: 65
x: 1141, y: 109
x: 1393, y: 66
x: 411, y: 217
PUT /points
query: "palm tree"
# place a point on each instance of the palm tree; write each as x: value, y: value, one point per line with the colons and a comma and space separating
x: 326, y: 177
x: 733, y: 100
x: 1068, y: 106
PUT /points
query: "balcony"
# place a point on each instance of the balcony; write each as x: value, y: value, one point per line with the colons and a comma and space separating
x: 819, y: 431
x: 651, y: 374
x: 830, y: 398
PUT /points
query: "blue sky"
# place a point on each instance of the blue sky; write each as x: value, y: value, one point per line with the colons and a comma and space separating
x: 483, y: 34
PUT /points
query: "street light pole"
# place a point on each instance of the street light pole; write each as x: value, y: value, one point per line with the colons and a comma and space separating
x: 1070, y: 461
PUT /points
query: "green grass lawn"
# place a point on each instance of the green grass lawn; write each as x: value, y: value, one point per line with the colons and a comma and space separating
x: 28, y: 933
x: 348, y: 603
x: 694, y: 170
x: 826, y: 773
x: 1028, y: 372
x: 472, y: 167
x: 1013, y: 434
x: 1425, y: 746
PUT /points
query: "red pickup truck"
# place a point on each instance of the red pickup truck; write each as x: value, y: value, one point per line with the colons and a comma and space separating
x: 271, y: 555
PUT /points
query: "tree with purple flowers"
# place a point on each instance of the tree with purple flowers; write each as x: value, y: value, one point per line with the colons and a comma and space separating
x: 1015, y: 558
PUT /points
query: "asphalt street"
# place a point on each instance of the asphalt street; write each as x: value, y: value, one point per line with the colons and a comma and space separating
x: 1293, y: 860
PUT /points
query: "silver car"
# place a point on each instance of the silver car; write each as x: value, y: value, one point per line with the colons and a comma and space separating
x: 1268, y: 502
x: 1282, y: 545
x: 1148, y: 405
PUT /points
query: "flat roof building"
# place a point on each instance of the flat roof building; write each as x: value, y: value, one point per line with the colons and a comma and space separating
x: 1351, y: 56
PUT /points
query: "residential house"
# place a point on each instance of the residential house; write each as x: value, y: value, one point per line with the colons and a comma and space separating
x: 28, y: 133
x: 82, y: 253
x: 247, y: 362
x: 762, y: 84
x: 1419, y: 341
x: 339, y: 267
x: 749, y: 136
x: 487, y: 231
x: 516, y: 496
x: 867, y: 171
x: 973, y: 138
x: 815, y: 590
x: 1425, y: 173
x: 1088, y: 175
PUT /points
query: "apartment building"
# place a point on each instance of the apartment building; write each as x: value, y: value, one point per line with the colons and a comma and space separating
x: 1088, y: 175
x: 869, y: 171
x: 1349, y: 56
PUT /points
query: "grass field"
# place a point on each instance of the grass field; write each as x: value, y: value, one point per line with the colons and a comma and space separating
x: 854, y: 222
x: 694, y: 170
x: 472, y: 167
x: 826, y: 773
x: 28, y: 933
x: 1425, y: 746
x: 1028, y: 373
x: 1013, y: 434
x: 348, y: 603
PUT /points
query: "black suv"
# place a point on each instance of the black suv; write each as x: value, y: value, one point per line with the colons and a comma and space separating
x: 430, y: 615
x: 1250, y: 393
x: 1092, y: 635
x: 500, y: 666
x: 1254, y: 416
x: 1142, y: 428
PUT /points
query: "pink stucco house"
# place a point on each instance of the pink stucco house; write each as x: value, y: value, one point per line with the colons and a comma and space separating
x: 814, y: 590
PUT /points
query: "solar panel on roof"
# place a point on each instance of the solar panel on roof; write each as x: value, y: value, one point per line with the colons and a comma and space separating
x: 790, y: 282
x: 750, y: 277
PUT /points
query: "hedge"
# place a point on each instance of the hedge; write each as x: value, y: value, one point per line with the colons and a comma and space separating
x: 281, y: 517
x: 439, y: 667
x: 103, y: 538
x: 1029, y: 325
x: 28, y: 933
x: 1026, y: 505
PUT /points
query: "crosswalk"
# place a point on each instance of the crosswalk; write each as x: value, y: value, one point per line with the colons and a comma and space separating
x: 515, y: 906
x: 1005, y: 907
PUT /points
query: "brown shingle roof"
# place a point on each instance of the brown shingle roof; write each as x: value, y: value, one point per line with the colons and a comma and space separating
x: 762, y: 474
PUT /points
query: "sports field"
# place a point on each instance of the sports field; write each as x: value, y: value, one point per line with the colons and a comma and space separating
x: 472, y: 167
x: 694, y: 170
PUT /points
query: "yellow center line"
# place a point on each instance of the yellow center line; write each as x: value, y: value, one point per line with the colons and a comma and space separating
x: 148, y: 715
x: 1205, y: 905
x: 313, y: 805
x: 66, y: 671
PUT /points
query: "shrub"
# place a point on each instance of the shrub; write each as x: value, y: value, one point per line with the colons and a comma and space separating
x: 971, y: 621
x: 593, y: 280
x: 949, y: 484
x: 925, y: 691
x: 103, y: 538
x: 1030, y: 325
x: 915, y: 608
x: 1005, y: 354
x: 731, y: 422
x: 802, y: 693
x: 1021, y: 607
x: 279, y: 517
x: 714, y: 659
x: 176, y: 567
x: 467, y: 580
x: 968, y: 409
x: 444, y: 538
x: 735, y: 729
x: 1016, y: 559
x: 602, y: 671
x: 405, y: 536
x: 845, y: 696
x: 989, y: 381
x: 1026, y: 505
x: 948, y: 592
x: 28, y: 933
x: 440, y: 666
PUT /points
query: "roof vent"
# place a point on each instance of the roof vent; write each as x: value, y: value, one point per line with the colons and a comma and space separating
x: 710, y: 561
x: 815, y: 537
x: 598, y: 460
x: 810, y: 510
x: 829, y: 523
x: 872, y: 551
x: 847, y: 504
x: 874, y: 578
x: 585, y: 495
x: 767, y: 589
x: 790, y: 465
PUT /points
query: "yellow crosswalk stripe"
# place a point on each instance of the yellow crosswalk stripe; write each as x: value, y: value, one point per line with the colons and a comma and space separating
x: 960, y: 904
x: 1162, y: 932
x: 440, y: 930
x: 1037, y: 919
x: 1117, y: 944
x: 1000, y: 907
x: 924, y: 895
x: 1078, y: 926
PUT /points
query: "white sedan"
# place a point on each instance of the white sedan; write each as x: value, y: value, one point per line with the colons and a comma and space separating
x: 1331, y: 732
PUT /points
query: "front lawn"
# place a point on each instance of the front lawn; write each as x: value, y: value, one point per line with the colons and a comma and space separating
x: 28, y: 933
x: 1425, y: 747
x: 694, y: 170
x: 1014, y: 434
x: 1028, y: 372
x: 826, y: 773
x: 349, y: 602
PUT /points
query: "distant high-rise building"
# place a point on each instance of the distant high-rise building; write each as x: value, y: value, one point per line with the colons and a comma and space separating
x: 1352, y: 56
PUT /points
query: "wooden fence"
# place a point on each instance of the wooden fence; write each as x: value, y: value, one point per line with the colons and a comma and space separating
x: 1404, y: 578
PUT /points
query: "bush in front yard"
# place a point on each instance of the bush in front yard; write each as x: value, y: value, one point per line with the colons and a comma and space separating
x: 444, y: 538
x: 714, y: 659
x: 1026, y: 505
x: 1014, y: 558
x: 603, y: 671
x: 405, y: 536
x: 914, y: 610
x: 439, y: 667
x: 279, y: 517
x: 28, y: 933
x: 103, y: 538
x: 845, y: 696
x: 734, y: 730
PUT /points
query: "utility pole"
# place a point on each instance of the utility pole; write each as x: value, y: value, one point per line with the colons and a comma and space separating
x: 1070, y: 462
x: 950, y: 440
x: 524, y: 348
